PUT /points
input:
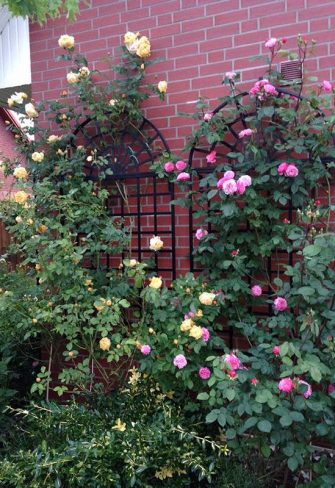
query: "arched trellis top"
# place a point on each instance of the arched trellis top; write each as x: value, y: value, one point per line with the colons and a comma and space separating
x: 134, y: 148
x: 240, y: 122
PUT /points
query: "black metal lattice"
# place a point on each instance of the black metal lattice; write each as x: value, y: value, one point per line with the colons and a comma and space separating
x: 232, y: 143
x: 136, y: 195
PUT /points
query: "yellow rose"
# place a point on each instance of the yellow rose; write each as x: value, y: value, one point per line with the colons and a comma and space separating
x: 199, y: 314
x: 162, y: 86
x: 42, y: 228
x: 120, y: 426
x: 112, y: 102
x: 196, y: 332
x: 72, y: 78
x: 207, y: 298
x: 130, y: 37
x: 10, y: 102
x: 156, y: 243
x: 18, y: 219
x: 143, y: 48
x: 53, y: 138
x: 37, y: 156
x: 133, y: 263
x: 66, y: 42
x: 84, y: 72
x: 104, y: 344
x: 17, y: 97
x: 21, y: 197
x: 31, y: 110
x: 20, y: 173
x: 155, y: 282
x: 187, y: 325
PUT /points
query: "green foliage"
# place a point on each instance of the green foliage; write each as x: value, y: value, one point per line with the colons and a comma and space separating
x: 137, y: 437
x: 41, y: 10
x: 245, y: 230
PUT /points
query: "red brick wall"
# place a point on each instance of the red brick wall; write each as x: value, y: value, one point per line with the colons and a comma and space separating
x: 199, y: 40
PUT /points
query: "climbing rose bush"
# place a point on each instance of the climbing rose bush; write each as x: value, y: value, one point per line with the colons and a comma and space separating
x: 265, y: 241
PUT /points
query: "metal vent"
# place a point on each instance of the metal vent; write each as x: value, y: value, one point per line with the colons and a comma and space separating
x: 291, y: 71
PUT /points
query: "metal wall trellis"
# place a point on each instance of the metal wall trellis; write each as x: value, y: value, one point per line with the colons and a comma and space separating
x: 231, y: 144
x: 144, y: 201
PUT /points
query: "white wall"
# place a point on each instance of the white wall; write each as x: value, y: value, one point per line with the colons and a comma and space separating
x: 15, y: 69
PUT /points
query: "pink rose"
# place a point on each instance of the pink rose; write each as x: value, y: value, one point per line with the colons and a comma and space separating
x: 291, y: 171
x: 270, y: 89
x: 180, y: 361
x: 230, y: 75
x: 309, y: 390
x: 146, y: 349
x: 169, y: 167
x: 200, y: 234
x: 229, y: 187
x: 280, y: 304
x: 208, y: 116
x: 326, y: 86
x: 232, y: 360
x: 286, y: 385
x: 276, y: 350
x: 240, y: 187
x: 232, y: 374
x: 271, y: 43
x: 211, y: 157
x: 246, y: 180
x: 254, y: 381
x: 205, y: 373
x: 282, y: 168
x: 183, y: 177
x: 205, y: 334
x: 228, y: 175
x: 331, y: 389
x: 256, y: 291
x: 181, y: 165
x: 245, y: 133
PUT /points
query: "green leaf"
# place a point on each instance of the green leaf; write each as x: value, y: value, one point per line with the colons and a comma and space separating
x: 203, y: 396
x: 222, y: 419
x: 292, y: 463
x: 285, y: 421
x: 230, y: 433
x: 311, y: 250
x: 212, y: 416
x: 264, y: 426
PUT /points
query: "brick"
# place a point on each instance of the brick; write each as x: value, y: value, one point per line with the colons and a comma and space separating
x: 197, y: 24
x: 222, y: 6
x: 188, y: 14
x: 281, y: 19
x: 319, y: 11
x: 267, y: 9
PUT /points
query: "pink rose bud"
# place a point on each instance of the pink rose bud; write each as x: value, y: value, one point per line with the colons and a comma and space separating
x: 180, y: 361
x: 208, y: 116
x: 326, y: 86
x: 246, y: 180
x: 146, y: 349
x: 205, y: 334
x: 232, y: 373
x: 232, y: 360
x: 211, y: 157
x: 205, y: 373
x: 270, y: 89
x: 169, y: 167
x: 256, y: 291
x: 245, y: 133
x: 280, y: 304
x: 271, y: 43
x: 276, y: 350
x: 230, y: 75
x: 240, y: 187
x: 331, y: 389
x: 291, y: 171
x: 229, y: 187
x: 183, y: 177
x: 254, y: 381
x: 286, y: 385
x: 201, y: 233
x: 307, y: 393
x: 282, y: 168
x: 181, y: 165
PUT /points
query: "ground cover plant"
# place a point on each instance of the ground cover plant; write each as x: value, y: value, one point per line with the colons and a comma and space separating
x: 268, y: 199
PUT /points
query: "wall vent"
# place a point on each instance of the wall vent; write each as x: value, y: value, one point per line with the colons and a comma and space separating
x: 291, y: 71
